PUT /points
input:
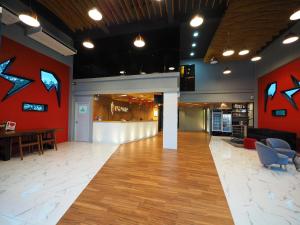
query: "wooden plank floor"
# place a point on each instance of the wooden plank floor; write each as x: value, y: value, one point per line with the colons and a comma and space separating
x: 144, y: 184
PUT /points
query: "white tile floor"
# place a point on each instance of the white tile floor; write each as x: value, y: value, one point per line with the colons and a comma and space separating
x: 256, y: 195
x: 39, y: 189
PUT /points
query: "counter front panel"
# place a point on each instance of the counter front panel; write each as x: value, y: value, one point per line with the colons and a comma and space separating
x: 122, y: 132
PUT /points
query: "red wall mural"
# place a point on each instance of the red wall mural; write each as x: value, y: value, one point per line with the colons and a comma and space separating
x: 28, y: 64
x: 284, y: 82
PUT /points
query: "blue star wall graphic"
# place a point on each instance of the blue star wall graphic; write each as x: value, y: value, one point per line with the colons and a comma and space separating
x: 270, y: 91
x: 18, y: 82
x: 290, y: 93
x: 51, y: 81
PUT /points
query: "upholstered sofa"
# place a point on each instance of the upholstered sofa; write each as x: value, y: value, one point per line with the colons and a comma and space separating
x: 261, y: 134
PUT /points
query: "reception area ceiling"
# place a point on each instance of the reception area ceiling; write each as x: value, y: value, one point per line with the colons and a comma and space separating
x: 250, y: 24
x: 118, y: 12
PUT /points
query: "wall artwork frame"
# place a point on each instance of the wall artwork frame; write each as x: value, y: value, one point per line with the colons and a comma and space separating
x: 51, y: 81
x: 18, y: 82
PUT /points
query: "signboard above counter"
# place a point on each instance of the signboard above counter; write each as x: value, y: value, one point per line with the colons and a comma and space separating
x: 111, y: 108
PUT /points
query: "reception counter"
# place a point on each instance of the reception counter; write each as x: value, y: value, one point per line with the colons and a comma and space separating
x: 118, y: 132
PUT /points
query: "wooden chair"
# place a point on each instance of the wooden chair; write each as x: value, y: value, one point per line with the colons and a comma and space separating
x: 29, y: 140
x: 48, y: 138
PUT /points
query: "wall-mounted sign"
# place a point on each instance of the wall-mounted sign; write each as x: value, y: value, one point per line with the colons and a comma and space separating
x: 83, y: 109
x: 34, y: 107
x: 279, y: 112
x: 117, y: 108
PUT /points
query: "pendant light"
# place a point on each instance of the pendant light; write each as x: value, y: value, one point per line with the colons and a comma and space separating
x: 290, y: 38
x: 196, y: 21
x: 227, y: 51
x: 213, y: 60
x: 88, y: 44
x: 29, y: 19
x: 227, y: 71
x: 139, y: 42
x: 256, y: 58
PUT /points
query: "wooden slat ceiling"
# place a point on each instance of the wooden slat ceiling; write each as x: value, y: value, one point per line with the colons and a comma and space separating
x: 250, y: 24
x: 116, y: 12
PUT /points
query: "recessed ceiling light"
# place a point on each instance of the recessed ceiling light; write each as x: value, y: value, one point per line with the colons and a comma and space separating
x: 192, y: 54
x: 122, y: 72
x: 228, y: 52
x: 88, y: 44
x: 255, y: 58
x: 196, y: 34
x: 196, y: 21
x: 139, y: 42
x: 171, y: 68
x: 244, y: 52
x: 29, y: 20
x: 194, y: 45
x: 290, y: 38
x: 95, y: 14
x: 227, y: 71
x: 295, y: 15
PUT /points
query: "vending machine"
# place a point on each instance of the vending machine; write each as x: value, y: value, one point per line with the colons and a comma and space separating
x: 221, y: 122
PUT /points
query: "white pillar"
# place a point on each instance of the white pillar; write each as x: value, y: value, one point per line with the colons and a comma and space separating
x: 170, y: 120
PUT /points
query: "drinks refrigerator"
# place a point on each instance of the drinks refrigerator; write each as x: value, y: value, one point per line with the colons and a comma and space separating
x: 221, y: 122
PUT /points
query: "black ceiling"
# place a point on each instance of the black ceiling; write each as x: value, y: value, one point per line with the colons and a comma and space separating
x: 113, y: 54
x: 166, y: 43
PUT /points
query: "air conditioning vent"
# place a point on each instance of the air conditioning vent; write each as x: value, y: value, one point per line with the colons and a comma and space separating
x: 50, y: 41
x: 8, y: 17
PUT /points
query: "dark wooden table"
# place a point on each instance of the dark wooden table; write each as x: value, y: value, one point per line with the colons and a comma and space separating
x: 5, y: 137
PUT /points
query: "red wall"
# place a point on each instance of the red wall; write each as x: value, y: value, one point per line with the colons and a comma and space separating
x: 28, y: 64
x: 283, y: 78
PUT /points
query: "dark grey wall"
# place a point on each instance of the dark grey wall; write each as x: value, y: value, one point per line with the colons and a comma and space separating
x: 213, y: 86
x: 273, y: 57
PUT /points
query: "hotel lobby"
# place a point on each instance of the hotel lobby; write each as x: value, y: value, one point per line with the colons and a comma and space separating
x: 133, y: 112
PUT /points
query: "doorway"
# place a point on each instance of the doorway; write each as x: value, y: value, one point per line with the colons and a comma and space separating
x: 82, y: 121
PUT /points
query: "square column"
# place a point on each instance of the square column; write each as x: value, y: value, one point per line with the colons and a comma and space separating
x: 170, y: 120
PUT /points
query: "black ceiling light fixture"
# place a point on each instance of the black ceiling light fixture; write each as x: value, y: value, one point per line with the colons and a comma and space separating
x: 196, y: 21
x: 139, y: 42
x: 290, y: 38
x: 29, y: 18
x: 227, y: 71
x: 228, y: 51
x: 88, y: 44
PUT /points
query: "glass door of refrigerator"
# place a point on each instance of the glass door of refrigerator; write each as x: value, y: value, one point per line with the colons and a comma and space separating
x: 217, y: 121
x: 227, y: 123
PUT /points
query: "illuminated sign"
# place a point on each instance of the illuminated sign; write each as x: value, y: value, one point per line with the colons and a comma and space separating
x: 27, y: 107
x: 117, y: 108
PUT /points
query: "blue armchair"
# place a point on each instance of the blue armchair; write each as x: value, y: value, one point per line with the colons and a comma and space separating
x: 269, y: 156
x: 281, y: 147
